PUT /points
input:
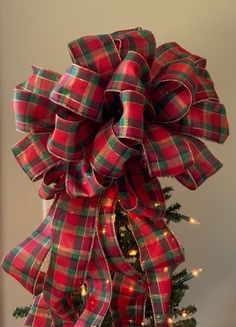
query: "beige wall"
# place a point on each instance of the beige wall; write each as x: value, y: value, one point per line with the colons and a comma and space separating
x: 38, y: 32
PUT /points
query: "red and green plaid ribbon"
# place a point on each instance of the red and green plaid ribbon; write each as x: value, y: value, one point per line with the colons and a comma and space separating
x: 122, y: 115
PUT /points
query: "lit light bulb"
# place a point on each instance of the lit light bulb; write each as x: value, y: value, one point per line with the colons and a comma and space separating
x: 113, y: 217
x: 108, y: 202
x: 104, y: 230
x: 166, y: 233
x: 83, y: 291
x: 132, y: 252
x: 169, y: 321
x: 131, y: 288
x: 193, y: 221
x: 165, y: 269
x: 184, y: 314
x: 196, y: 272
x: 156, y: 204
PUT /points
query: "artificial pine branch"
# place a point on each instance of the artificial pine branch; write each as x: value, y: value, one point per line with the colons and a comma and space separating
x: 186, y: 323
x: 167, y: 192
x: 21, y: 312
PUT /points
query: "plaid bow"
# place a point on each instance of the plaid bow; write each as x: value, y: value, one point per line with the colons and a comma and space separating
x: 122, y: 115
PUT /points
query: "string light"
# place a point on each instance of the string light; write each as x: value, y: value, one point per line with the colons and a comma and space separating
x: 104, y: 230
x: 132, y: 252
x: 169, y: 321
x: 165, y: 269
x: 193, y: 221
x: 166, y: 233
x: 83, y: 290
x: 113, y: 217
x: 156, y: 204
x: 184, y: 314
x: 108, y: 202
x: 131, y: 288
x: 158, y: 318
x: 196, y: 272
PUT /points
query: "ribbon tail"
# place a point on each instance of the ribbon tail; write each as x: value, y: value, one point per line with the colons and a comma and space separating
x: 128, y: 301
x: 39, y: 314
x: 160, y: 254
x: 72, y: 234
x: 25, y: 260
x: 126, y: 276
x: 99, y: 282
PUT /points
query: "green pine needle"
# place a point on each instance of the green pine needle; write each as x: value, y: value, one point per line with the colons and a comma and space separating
x: 21, y: 312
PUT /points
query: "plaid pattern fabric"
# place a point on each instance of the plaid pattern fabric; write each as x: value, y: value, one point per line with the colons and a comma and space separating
x: 72, y: 234
x: 100, y: 284
x: 53, y: 182
x: 82, y: 180
x: 34, y: 113
x: 166, y: 153
x: 107, y: 236
x: 109, y: 153
x: 32, y: 155
x: 39, y: 314
x: 128, y: 301
x: 67, y: 133
x: 147, y: 200
x: 97, y: 53
x: 81, y: 91
x: 196, y: 122
x: 160, y: 254
x: 24, y: 261
x: 205, y: 165
x: 137, y: 40
x: 123, y: 114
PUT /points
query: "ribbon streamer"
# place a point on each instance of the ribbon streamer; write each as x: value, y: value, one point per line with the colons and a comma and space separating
x: 123, y: 114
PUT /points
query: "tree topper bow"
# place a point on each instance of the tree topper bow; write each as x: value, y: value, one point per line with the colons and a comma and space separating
x: 122, y: 115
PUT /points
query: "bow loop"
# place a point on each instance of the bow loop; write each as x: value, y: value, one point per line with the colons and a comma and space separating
x: 42, y: 81
x: 131, y: 74
x: 205, y: 165
x: 53, y: 182
x: 82, y: 91
x: 166, y: 153
x: 173, y: 91
x: 72, y: 140
x: 109, y: 153
x: 33, y: 112
x: 172, y: 52
x: 82, y: 180
x: 97, y: 53
x: 196, y: 122
x: 141, y: 41
x: 129, y: 127
x: 32, y: 155
x: 205, y: 90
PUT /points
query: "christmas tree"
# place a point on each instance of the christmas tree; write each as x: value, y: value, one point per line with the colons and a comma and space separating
x: 179, y: 316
